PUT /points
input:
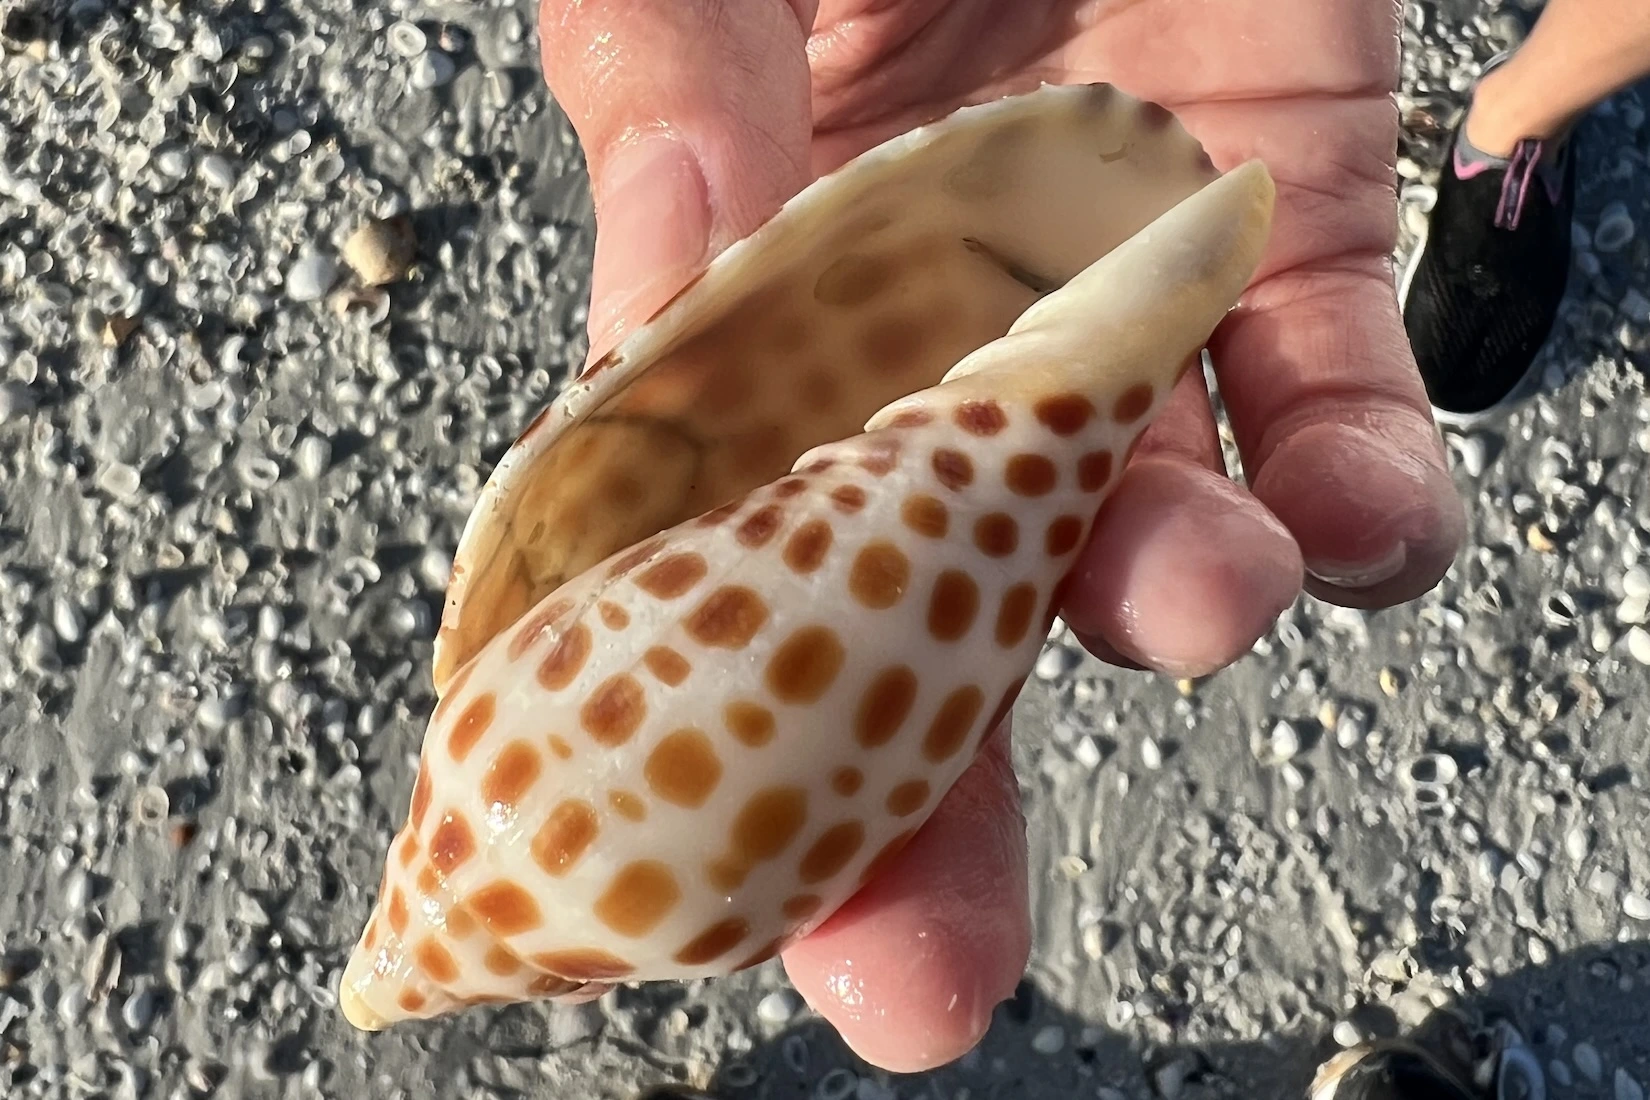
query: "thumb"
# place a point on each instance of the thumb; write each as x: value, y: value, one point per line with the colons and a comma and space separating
x: 695, y: 119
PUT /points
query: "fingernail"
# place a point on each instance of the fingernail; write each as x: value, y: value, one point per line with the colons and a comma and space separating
x: 653, y: 224
x: 1362, y: 574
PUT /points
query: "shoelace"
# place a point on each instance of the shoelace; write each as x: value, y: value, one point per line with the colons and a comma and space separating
x: 1515, y: 184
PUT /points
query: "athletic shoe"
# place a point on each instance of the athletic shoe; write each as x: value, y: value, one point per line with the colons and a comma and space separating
x: 1483, y: 287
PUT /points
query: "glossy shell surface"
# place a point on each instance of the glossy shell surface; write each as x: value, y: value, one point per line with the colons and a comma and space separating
x: 737, y: 610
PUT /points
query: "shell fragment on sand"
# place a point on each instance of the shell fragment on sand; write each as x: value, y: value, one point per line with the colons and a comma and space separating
x: 738, y: 609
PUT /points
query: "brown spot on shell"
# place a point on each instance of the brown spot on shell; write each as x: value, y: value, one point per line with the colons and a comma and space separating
x: 633, y: 557
x: 828, y: 855
x: 683, y: 768
x: 728, y: 618
x: 912, y: 418
x: 996, y: 535
x: 471, y: 725
x: 853, y: 280
x: 925, y: 515
x: 801, y: 906
x: 396, y: 910
x: 790, y: 487
x: 459, y: 922
x: 954, y: 469
x: 714, y: 942
x: 407, y: 850
x: 535, y: 625
x: 891, y: 344
x: 720, y: 514
x: 1062, y: 535
x: 879, y: 575
x: 907, y: 798
x: 584, y: 964
x: 805, y: 665
x: 667, y: 665
x: 673, y: 576
x: 766, y: 825
x: 436, y: 962
x: 750, y: 723
x: 564, y: 837
x: 949, y: 730
x: 1132, y: 403
x: 501, y: 961
x: 613, y: 616
x: 1064, y: 414
x: 452, y: 844
x: 885, y: 706
x: 808, y: 545
x: 764, y: 953
x: 847, y: 781
x: 429, y: 883
x: 614, y: 710
x: 559, y: 746
x: 848, y: 498
x: 511, y: 775
x: 1014, y: 614
x: 505, y: 908
x: 1094, y: 470
x: 953, y: 605
x: 565, y: 659
x: 1030, y: 475
x: 759, y: 527
x: 420, y: 796
x: 410, y: 1000
x: 985, y: 418
x: 880, y: 456
x: 639, y: 896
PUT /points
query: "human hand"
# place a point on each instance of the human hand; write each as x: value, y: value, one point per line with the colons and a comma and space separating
x: 699, y: 118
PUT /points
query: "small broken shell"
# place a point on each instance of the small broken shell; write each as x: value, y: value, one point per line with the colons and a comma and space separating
x: 737, y: 610
x: 381, y: 251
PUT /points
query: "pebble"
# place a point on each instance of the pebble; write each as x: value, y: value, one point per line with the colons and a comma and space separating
x: 1051, y: 1039
x: 1637, y: 906
x: 839, y: 1084
x: 1626, y: 1087
x: 1151, y: 756
x: 1635, y: 583
x: 139, y: 1010
x: 1638, y: 644
x: 119, y: 480
x: 1347, y: 1035
x: 778, y: 1007
x: 432, y: 69
x: 1474, y: 454
x: 1587, y: 1061
x: 313, y: 455
x: 1087, y: 752
x: 406, y: 39
x: 311, y: 277
x: 1615, y: 228
x: 217, y: 171
x: 381, y: 251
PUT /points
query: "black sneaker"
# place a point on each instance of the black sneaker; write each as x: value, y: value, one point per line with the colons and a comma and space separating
x: 1396, y: 1069
x: 1483, y: 287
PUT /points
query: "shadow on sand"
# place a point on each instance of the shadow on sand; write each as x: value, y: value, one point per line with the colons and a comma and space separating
x: 1036, y: 1050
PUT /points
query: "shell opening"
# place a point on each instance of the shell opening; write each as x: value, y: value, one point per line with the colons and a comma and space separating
x: 867, y: 287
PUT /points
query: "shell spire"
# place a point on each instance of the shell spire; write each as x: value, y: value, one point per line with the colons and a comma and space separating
x: 689, y: 753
